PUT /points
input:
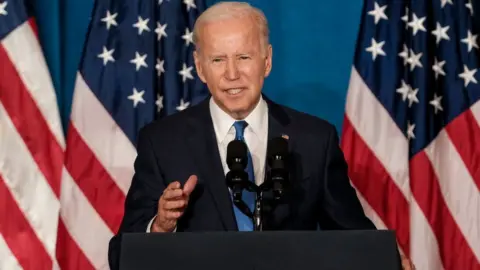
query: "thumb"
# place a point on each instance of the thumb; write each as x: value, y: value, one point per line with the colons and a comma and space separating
x: 190, y: 185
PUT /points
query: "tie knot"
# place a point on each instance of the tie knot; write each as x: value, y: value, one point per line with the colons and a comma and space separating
x: 240, y: 128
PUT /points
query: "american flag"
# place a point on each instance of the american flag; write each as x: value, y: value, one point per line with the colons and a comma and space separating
x: 412, y: 126
x: 61, y: 202
x: 137, y: 65
x: 31, y: 145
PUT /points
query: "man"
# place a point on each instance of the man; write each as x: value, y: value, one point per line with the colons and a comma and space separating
x: 179, y: 183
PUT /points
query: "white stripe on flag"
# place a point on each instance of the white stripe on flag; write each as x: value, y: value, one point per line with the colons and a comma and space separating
x: 28, y: 185
x: 102, y: 134
x: 423, y: 243
x: 26, y: 55
x: 389, y: 144
x: 458, y: 189
x: 83, y: 223
x: 8, y: 261
x: 374, y: 124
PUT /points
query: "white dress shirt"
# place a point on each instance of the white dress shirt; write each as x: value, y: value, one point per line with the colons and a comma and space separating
x: 255, y: 135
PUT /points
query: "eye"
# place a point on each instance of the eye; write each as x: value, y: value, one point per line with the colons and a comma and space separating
x: 244, y: 57
x: 217, y: 60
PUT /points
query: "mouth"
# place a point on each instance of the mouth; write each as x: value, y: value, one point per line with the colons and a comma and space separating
x: 234, y: 91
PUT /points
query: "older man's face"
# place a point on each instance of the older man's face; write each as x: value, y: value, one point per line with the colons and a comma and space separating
x: 233, y: 61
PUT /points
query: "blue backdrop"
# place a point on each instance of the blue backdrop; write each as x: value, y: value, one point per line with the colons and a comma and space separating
x: 313, y: 45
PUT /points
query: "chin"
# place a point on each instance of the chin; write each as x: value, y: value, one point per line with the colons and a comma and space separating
x: 237, y: 106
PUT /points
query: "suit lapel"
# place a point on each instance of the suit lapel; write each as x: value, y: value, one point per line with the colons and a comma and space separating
x: 205, y: 151
x: 279, y: 126
x: 278, y: 120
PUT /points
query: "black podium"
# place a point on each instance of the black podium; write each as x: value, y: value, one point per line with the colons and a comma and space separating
x: 272, y: 250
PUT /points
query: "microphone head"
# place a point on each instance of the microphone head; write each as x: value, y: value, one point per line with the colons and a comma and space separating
x: 237, y: 155
x: 277, y: 147
x: 277, y: 152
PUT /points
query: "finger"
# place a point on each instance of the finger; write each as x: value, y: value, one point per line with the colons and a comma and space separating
x: 174, y: 185
x: 172, y: 194
x: 190, y: 185
x: 173, y: 215
x: 171, y: 205
x: 406, y: 265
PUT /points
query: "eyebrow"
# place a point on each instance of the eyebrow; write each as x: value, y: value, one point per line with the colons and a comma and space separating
x: 224, y: 55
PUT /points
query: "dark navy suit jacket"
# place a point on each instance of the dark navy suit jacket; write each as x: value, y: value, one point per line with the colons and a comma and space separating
x: 183, y: 144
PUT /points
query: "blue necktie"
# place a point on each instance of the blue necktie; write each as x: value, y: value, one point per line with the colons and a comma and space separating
x: 243, y: 221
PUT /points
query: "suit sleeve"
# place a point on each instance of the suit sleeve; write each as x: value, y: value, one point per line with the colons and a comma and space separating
x: 142, y: 199
x: 341, y: 209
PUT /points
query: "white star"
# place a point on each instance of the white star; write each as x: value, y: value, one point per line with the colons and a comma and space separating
x: 106, y: 55
x: 404, y: 90
x: 376, y: 49
x: 444, y: 2
x: 417, y: 24
x: 188, y: 37
x: 468, y: 75
x: 378, y: 12
x: 471, y: 41
x: 436, y: 103
x: 190, y: 4
x: 438, y: 68
x: 186, y: 72
x: 110, y: 19
x: 404, y: 54
x: 159, y: 67
x: 139, y: 61
x: 405, y: 18
x: 412, y: 97
x: 183, y: 105
x: 414, y: 60
x: 410, y: 131
x: 137, y: 97
x: 141, y: 24
x: 470, y: 7
x: 159, y: 103
x: 3, y: 6
x: 160, y: 30
x: 441, y: 33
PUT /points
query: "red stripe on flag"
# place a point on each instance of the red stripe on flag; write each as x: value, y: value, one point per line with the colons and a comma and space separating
x: 19, y: 235
x: 464, y: 133
x: 454, y: 250
x: 69, y: 255
x: 33, y: 25
x: 92, y: 178
x: 30, y: 124
x: 375, y: 184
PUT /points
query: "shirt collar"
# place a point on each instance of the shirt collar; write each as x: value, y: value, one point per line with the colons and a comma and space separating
x: 257, y: 119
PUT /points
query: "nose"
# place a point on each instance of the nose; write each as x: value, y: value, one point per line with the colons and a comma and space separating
x: 231, y: 72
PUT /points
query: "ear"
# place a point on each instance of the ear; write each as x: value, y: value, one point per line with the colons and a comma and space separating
x: 268, y: 61
x: 198, y: 66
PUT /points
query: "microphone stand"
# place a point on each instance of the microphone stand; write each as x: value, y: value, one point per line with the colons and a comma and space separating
x: 257, y: 213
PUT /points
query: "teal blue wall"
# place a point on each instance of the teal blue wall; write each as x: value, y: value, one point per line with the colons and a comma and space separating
x: 313, y: 44
x: 62, y: 27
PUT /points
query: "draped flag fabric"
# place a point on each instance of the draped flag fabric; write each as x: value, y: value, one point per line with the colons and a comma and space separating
x: 31, y: 146
x: 137, y: 65
x: 412, y: 127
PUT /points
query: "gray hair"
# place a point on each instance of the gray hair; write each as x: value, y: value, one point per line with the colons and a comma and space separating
x: 230, y: 10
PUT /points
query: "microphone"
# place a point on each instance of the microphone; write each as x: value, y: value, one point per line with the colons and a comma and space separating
x: 237, y: 177
x: 237, y: 155
x: 277, y: 154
